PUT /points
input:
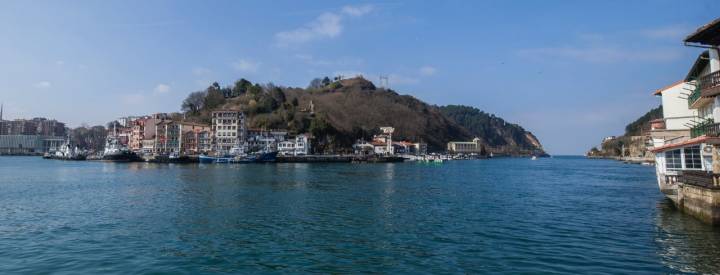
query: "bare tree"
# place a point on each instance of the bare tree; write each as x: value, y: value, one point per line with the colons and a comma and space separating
x: 315, y: 84
x: 194, y: 102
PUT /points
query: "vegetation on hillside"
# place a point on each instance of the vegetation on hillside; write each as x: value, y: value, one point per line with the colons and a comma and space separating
x: 642, y: 124
x: 629, y: 144
x: 492, y: 130
x: 338, y: 112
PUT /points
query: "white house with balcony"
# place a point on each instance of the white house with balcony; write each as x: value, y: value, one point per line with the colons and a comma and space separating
x: 299, y: 146
x: 687, y: 142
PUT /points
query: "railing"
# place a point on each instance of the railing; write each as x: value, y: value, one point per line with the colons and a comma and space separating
x: 699, y: 178
x: 705, y: 128
x: 709, y: 84
x: 694, y: 96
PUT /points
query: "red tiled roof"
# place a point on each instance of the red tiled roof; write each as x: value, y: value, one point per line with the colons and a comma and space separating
x: 659, y: 91
x: 693, y: 141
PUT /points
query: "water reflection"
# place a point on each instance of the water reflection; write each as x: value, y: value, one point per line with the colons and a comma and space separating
x: 686, y: 244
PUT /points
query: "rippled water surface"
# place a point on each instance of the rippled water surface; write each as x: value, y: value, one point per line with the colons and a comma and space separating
x: 565, y: 215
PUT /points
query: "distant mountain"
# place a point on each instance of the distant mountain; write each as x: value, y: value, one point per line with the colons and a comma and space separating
x: 337, y: 113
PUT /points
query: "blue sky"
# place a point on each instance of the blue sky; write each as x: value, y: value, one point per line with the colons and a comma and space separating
x: 571, y: 72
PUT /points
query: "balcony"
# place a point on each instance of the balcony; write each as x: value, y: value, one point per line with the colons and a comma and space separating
x: 705, y: 128
x: 694, y: 98
x: 709, y: 84
x: 699, y: 178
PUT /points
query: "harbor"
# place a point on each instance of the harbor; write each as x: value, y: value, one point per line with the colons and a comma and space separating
x: 191, y: 209
x: 166, y: 138
x: 360, y: 137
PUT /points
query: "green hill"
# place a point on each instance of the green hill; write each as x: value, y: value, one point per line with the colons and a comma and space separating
x: 337, y: 113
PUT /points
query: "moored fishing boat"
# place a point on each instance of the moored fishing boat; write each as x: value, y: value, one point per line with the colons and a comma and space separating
x: 67, y: 152
x: 116, y: 152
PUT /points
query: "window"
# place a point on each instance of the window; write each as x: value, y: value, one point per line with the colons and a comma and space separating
x: 693, y: 160
x: 673, y: 160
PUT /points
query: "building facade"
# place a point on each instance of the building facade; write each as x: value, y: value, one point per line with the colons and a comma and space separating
x: 687, y: 151
x: 298, y: 146
x: 262, y: 139
x: 194, y: 138
x: 36, y: 126
x: 228, y: 130
x: 31, y: 136
x: 465, y: 147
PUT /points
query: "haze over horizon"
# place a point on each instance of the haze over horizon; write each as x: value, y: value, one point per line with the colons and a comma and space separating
x: 569, y: 72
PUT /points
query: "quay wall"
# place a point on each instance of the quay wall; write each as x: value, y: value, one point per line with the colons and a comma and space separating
x: 700, y: 202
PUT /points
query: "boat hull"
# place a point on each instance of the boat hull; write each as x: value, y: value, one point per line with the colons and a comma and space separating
x: 123, y: 157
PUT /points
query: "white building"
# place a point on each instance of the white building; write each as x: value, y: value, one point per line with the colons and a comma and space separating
x: 299, y: 146
x: 228, y: 129
x: 261, y: 139
x: 689, y: 141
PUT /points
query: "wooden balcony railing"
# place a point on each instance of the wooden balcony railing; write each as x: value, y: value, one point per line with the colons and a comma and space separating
x: 700, y: 178
x: 709, y: 84
x: 706, y: 128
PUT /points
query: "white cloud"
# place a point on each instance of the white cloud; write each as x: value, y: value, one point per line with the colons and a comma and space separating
x: 59, y: 62
x: 357, y: 10
x: 602, y: 54
x: 42, y: 85
x: 427, y: 70
x: 162, y: 89
x: 245, y: 65
x: 327, y: 25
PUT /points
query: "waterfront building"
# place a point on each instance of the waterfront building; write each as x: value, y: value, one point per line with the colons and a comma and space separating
x: 228, y: 130
x: 409, y: 148
x: 363, y: 148
x: 148, y: 133
x: 137, y: 134
x: 194, y: 138
x: 205, y: 141
x: 687, y: 146
x: 29, y: 144
x: 184, y: 138
x: 298, y: 146
x: 31, y: 136
x: 36, y: 126
x: 465, y: 147
x: 261, y: 139
x: 382, y: 143
x: 167, y: 137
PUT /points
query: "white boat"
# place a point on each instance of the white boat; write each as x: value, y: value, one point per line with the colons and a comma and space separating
x: 115, y: 151
x: 67, y: 151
